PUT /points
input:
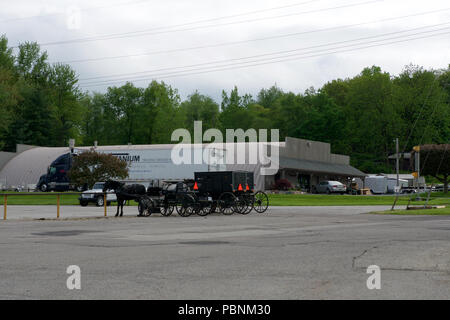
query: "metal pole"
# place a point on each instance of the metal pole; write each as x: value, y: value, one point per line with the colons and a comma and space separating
x: 5, y: 204
x: 57, y: 206
x: 397, y: 164
x: 418, y: 171
x: 104, y: 202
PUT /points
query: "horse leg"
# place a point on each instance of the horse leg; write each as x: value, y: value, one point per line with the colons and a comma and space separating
x: 121, y: 213
x: 118, y: 204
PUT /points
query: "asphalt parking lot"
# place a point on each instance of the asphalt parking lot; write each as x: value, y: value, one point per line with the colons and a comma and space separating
x: 285, y: 253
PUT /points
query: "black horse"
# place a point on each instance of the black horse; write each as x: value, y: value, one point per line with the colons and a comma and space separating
x: 124, y: 192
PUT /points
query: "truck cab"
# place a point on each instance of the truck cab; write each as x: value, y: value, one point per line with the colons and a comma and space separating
x: 56, y: 177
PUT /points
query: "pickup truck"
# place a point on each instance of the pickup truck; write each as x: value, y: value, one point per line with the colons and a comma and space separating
x: 91, y: 196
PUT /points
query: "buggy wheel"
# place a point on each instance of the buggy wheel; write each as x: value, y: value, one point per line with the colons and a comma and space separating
x: 191, y: 209
x: 260, y: 202
x: 144, y: 208
x: 181, y: 210
x: 167, y: 210
x: 249, y: 199
x: 205, y: 209
x: 187, y: 206
x: 228, y: 203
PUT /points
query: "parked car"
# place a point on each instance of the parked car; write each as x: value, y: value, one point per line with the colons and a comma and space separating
x: 438, y: 188
x: 92, y: 196
x: 331, y: 187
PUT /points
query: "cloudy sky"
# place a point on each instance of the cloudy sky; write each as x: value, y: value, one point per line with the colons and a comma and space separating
x: 215, y: 45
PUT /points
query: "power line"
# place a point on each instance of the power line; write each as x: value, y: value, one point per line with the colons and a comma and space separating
x: 154, y: 31
x: 247, y: 64
x: 283, y: 52
x: 251, y: 40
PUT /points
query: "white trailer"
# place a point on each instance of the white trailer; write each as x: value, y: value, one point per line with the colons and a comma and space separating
x: 392, y: 183
x: 376, y: 184
x: 147, y: 165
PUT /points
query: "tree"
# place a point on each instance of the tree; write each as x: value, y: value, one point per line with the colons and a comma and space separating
x: 9, y: 95
x: 419, y: 99
x: 65, y: 100
x: 268, y: 97
x: 32, y: 121
x: 90, y: 167
x: 92, y: 128
x: 199, y: 107
x: 122, y: 108
x: 371, y: 119
x: 235, y: 113
x: 31, y: 63
x: 290, y: 115
x: 436, y: 159
x: 160, y: 113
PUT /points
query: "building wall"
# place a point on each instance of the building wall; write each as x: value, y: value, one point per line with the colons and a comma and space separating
x: 339, y: 159
x: 306, y: 149
x: 5, y: 157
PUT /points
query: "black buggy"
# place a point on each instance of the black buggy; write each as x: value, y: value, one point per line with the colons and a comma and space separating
x: 225, y: 191
x: 231, y: 191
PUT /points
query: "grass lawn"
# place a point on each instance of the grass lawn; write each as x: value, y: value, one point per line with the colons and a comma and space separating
x: 30, y: 199
x: 430, y: 212
x: 345, y: 200
x: 274, y: 200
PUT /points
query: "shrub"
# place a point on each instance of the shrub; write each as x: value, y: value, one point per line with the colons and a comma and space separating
x: 282, y: 184
x: 90, y: 167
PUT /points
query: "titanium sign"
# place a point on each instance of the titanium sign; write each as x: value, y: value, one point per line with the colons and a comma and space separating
x: 155, y: 164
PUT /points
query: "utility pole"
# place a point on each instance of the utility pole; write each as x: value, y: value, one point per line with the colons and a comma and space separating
x: 417, y: 166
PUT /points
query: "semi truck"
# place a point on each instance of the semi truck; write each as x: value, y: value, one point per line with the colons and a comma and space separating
x: 145, y: 166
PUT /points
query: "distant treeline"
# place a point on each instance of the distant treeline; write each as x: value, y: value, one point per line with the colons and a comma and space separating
x: 41, y: 104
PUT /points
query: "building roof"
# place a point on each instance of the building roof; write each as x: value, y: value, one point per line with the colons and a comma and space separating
x: 405, y: 155
x: 320, y: 167
x: 26, y: 167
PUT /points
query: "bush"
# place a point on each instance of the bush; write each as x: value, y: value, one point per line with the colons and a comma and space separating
x: 282, y: 184
x: 90, y: 167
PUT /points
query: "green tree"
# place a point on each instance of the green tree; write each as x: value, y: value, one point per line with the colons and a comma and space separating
x: 199, y: 107
x: 290, y: 115
x: 32, y: 122
x: 420, y: 102
x: 9, y: 93
x: 93, y: 118
x: 67, y: 110
x: 268, y: 97
x: 437, y: 162
x: 372, y: 122
x: 235, y: 111
x: 90, y: 167
x: 32, y: 64
x: 123, y: 105
x: 160, y: 113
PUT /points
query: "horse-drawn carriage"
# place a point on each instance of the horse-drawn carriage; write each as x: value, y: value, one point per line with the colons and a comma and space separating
x: 225, y: 191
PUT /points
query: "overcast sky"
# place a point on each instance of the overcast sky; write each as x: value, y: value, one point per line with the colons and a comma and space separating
x: 293, y: 43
